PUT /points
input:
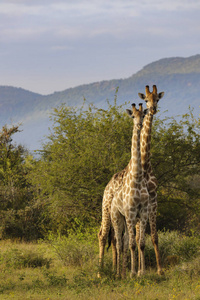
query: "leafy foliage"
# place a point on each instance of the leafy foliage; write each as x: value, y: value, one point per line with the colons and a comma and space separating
x: 74, y: 250
x: 24, y: 259
x: 87, y: 147
x: 176, y: 162
x: 18, y: 209
x: 62, y: 190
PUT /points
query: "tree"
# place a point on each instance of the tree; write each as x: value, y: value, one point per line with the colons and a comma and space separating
x: 87, y: 147
x: 176, y: 161
x: 18, y: 212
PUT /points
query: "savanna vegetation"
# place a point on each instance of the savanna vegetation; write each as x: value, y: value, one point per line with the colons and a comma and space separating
x: 50, y: 207
x: 66, y: 268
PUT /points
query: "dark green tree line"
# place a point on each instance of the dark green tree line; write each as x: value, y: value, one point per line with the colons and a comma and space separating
x: 87, y: 147
x: 176, y: 161
x: 18, y: 212
x: 63, y: 189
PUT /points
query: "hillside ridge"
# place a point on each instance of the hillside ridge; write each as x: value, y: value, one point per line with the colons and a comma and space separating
x: 178, y: 77
x: 173, y: 65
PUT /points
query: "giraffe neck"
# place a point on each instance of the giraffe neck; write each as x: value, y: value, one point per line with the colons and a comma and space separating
x: 145, y: 141
x: 135, y: 162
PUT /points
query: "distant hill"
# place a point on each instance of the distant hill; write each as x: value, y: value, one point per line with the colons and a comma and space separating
x: 178, y: 77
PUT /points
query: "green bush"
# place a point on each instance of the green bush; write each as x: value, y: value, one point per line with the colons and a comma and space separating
x: 79, y: 249
x: 174, y: 248
x: 73, y: 250
x: 54, y: 279
x: 24, y: 259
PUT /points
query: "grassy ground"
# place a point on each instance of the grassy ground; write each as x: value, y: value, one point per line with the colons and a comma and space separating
x: 67, y: 269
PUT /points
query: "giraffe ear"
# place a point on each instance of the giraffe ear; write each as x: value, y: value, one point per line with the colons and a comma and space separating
x: 160, y: 95
x: 142, y: 96
x: 129, y: 112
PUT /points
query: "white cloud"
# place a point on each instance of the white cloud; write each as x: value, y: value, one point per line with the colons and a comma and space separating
x: 88, y: 7
x: 74, y: 19
x: 17, y: 34
x: 18, y: 10
x: 91, y: 37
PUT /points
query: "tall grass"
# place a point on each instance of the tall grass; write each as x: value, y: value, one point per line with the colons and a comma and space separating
x: 174, y: 248
x: 76, y: 249
x: 66, y: 268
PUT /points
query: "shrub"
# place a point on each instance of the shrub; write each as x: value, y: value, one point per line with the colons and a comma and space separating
x: 54, y: 279
x: 24, y: 258
x: 73, y: 250
x: 173, y: 247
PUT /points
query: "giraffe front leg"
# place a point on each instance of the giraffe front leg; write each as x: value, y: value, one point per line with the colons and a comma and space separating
x: 143, y: 222
x: 118, y: 224
x: 125, y: 251
x: 154, y: 238
x: 138, y: 245
x: 118, y: 235
x: 132, y: 246
x: 133, y: 271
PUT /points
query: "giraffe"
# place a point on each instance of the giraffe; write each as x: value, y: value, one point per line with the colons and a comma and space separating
x: 151, y: 99
x: 117, y: 179
x: 106, y: 227
x: 131, y: 203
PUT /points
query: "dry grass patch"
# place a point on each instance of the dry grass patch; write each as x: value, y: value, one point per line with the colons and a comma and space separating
x: 38, y: 271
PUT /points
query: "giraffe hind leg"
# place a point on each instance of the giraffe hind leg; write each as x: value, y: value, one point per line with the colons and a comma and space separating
x: 125, y: 250
x: 103, y: 234
x: 154, y: 238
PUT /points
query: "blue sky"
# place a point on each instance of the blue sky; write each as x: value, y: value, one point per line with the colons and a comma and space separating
x: 48, y: 46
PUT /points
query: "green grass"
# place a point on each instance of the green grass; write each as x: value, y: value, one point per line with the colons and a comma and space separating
x: 66, y: 268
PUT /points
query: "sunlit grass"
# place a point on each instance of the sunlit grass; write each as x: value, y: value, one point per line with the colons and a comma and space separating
x: 47, y: 275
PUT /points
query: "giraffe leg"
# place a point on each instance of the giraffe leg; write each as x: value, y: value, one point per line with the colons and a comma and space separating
x: 125, y: 251
x: 133, y: 271
x: 132, y: 246
x: 154, y: 238
x: 114, y: 249
x: 137, y: 241
x: 103, y: 234
x: 143, y: 222
x: 119, y: 251
x: 118, y: 225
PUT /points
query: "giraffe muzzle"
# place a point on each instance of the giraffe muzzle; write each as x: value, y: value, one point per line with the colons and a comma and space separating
x: 139, y: 126
x: 153, y: 110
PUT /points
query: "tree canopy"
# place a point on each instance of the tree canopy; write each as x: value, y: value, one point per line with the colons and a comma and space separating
x: 86, y: 146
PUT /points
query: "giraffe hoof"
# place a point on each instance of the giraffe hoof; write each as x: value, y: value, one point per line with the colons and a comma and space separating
x: 161, y: 272
x: 140, y: 273
x: 132, y: 275
x: 123, y: 276
x: 117, y: 276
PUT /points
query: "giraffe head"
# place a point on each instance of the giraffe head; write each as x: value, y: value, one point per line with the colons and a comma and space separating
x: 151, y: 98
x: 137, y: 115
